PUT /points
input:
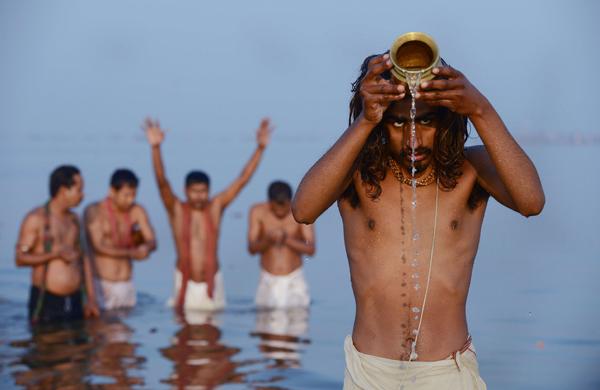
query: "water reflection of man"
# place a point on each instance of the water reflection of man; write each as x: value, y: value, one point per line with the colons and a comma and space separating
x: 64, y: 356
x: 49, y: 243
x: 282, y: 242
x: 115, y: 354
x: 281, y: 334
x: 367, y: 173
x: 199, y: 358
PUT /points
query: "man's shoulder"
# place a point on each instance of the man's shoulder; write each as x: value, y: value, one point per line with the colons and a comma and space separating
x: 259, y: 209
x: 35, y: 215
x: 92, y: 210
x: 138, y: 209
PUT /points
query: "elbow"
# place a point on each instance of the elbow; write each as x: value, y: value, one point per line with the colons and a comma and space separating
x: 300, y: 213
x: 534, y: 208
x: 19, y: 262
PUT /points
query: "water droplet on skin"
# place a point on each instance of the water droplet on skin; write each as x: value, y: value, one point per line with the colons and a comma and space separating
x: 416, y: 310
x: 415, y: 332
x: 415, y: 275
x: 417, y: 286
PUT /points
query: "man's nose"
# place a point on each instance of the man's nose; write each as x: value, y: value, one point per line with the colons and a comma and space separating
x: 408, y: 139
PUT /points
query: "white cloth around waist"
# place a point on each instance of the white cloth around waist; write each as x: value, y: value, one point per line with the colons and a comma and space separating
x: 196, y: 294
x: 376, y: 373
x: 282, y: 291
x: 115, y: 295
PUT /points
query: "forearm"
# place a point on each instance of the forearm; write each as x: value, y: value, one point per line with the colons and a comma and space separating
x: 515, y: 169
x: 151, y: 244
x: 259, y: 246
x: 109, y: 251
x: 157, y: 164
x: 33, y: 259
x: 88, y: 277
x: 299, y: 246
x: 327, y: 179
x: 252, y: 164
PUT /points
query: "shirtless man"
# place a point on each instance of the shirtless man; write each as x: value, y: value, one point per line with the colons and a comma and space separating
x: 281, y: 242
x: 195, y: 224
x: 367, y: 172
x: 49, y: 243
x: 119, y: 231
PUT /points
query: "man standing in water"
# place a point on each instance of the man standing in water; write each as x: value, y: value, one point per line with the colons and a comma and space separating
x: 281, y: 242
x: 49, y: 243
x: 195, y: 224
x: 118, y: 231
x: 367, y: 172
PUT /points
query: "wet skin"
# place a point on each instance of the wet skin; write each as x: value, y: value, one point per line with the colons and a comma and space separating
x: 377, y: 232
x: 111, y: 260
x: 198, y: 198
x: 280, y: 240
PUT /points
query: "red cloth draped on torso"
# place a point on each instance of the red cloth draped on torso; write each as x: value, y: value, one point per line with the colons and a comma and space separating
x: 210, y: 252
x: 119, y: 240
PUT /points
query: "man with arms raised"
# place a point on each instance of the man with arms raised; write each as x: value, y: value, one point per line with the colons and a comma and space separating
x: 195, y: 224
x: 49, y: 243
x: 119, y: 231
x: 367, y: 171
x: 281, y: 242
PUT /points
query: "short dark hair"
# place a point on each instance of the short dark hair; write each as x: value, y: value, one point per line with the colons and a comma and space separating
x: 123, y: 177
x: 62, y: 176
x: 197, y: 177
x: 279, y: 191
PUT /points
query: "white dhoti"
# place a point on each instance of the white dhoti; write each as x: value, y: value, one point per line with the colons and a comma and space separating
x: 459, y: 371
x: 282, y: 291
x: 115, y: 295
x: 196, y: 294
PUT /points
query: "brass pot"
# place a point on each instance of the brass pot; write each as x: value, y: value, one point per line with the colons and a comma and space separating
x: 414, y: 53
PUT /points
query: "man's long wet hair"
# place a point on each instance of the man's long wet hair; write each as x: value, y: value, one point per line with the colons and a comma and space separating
x: 372, y: 162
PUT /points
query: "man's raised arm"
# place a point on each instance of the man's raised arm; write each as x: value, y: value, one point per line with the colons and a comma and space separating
x: 155, y: 137
x: 503, y: 168
x: 263, y: 135
x: 325, y: 182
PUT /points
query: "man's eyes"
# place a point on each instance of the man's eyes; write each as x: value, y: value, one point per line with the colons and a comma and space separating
x: 423, y: 121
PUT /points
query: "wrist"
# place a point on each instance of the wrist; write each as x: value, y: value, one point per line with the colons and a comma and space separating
x: 364, y: 123
x: 482, y: 110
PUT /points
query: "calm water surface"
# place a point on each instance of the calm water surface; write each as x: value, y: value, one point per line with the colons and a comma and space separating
x: 532, y: 307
